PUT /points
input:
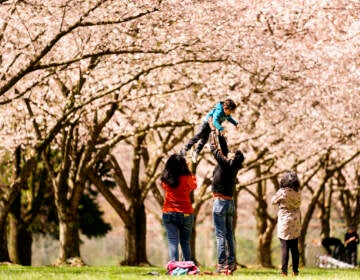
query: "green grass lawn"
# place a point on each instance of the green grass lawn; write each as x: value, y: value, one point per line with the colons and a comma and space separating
x: 129, y: 273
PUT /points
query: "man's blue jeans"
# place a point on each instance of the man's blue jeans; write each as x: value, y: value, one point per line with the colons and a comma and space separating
x: 178, y: 229
x: 223, y: 214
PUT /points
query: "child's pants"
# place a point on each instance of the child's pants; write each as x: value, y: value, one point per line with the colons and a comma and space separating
x: 286, y: 246
x: 202, y: 136
x: 351, y: 256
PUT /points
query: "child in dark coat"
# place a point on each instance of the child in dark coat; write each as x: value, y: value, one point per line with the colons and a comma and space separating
x: 351, y: 242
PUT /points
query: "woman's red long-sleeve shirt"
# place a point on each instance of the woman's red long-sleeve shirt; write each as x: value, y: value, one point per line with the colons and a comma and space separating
x: 178, y: 199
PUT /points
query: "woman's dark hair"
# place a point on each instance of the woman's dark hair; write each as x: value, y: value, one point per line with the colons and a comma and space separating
x: 175, y: 167
x: 290, y: 180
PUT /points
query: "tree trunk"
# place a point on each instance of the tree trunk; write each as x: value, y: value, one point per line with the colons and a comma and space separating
x: 193, y: 241
x: 20, y: 239
x: 135, y: 238
x: 12, y: 194
x: 264, y: 229
x: 69, y: 237
x: 193, y: 231
x: 236, y: 198
x: 324, y: 206
x: 306, y: 221
x: 264, y: 248
x: 4, y: 253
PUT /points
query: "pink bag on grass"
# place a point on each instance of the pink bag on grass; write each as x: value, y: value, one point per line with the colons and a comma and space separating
x: 181, y: 268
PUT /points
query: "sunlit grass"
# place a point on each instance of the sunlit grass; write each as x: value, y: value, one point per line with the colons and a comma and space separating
x: 129, y: 273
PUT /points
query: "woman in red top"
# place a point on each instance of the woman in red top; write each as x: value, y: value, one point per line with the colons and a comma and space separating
x: 178, y: 182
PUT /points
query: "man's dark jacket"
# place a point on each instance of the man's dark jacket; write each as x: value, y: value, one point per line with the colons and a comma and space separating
x: 225, y: 172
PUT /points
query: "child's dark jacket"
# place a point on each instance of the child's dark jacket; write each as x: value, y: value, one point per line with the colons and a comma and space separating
x: 353, y: 244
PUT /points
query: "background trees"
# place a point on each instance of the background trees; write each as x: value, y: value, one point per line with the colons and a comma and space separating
x: 87, y: 78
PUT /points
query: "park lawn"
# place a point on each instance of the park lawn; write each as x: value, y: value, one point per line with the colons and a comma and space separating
x: 130, y: 273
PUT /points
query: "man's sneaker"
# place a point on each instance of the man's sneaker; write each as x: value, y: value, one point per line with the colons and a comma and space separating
x: 231, y: 268
x: 221, y: 269
x: 194, y: 157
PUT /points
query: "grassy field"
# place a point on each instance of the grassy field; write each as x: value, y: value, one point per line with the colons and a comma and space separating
x: 129, y: 273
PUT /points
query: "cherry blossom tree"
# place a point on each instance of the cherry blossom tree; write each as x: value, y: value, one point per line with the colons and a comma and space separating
x: 99, y: 70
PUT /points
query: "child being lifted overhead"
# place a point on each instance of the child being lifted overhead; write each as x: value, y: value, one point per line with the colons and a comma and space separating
x: 212, y: 121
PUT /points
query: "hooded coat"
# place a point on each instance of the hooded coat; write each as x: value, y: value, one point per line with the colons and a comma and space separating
x: 289, y: 216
